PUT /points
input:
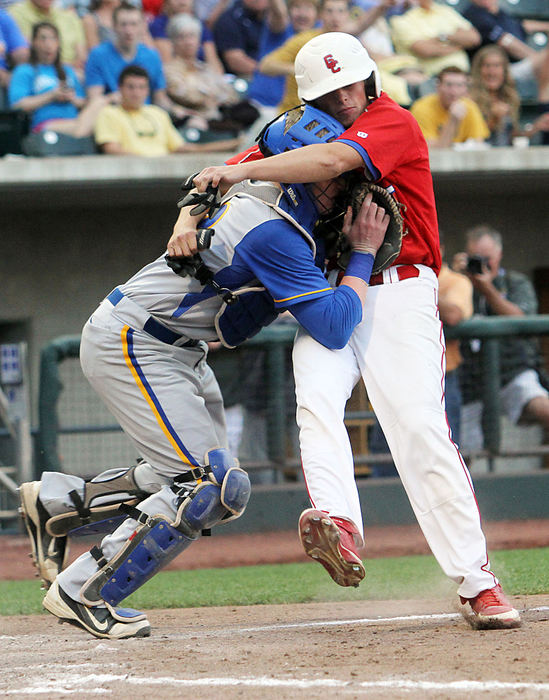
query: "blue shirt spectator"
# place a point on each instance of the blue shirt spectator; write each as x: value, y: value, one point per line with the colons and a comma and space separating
x: 30, y: 79
x: 492, y: 26
x: 15, y: 44
x: 105, y: 63
x: 284, y: 20
x: 237, y: 34
x: 269, y: 89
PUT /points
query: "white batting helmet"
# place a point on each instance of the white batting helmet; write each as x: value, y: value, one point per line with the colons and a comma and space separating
x: 330, y: 61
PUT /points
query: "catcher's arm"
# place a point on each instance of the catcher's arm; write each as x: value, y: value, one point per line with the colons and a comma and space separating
x: 193, y: 207
x: 182, y: 242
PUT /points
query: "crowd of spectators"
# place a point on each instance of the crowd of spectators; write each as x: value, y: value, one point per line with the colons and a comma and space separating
x: 220, y: 69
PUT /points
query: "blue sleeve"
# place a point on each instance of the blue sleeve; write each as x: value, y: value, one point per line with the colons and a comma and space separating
x: 283, y: 261
x: 20, y: 83
x: 155, y: 71
x: 281, y: 258
x: 331, y: 320
x: 93, y: 71
x: 11, y: 34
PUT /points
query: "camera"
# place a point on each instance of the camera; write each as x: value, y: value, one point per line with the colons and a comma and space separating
x: 476, y: 264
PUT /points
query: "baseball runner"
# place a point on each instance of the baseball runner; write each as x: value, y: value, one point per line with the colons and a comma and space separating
x: 144, y: 352
x: 398, y: 348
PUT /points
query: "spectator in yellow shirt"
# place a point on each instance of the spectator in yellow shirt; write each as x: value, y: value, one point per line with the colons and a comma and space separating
x: 436, y: 34
x: 448, y: 116
x: 135, y: 128
x: 27, y: 13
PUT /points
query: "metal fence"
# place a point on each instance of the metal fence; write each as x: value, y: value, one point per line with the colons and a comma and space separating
x: 15, y: 434
x: 77, y: 434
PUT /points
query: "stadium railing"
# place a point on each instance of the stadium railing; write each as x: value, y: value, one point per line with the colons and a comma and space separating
x: 70, y: 412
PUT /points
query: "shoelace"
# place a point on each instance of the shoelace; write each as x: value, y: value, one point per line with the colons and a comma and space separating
x: 493, y: 597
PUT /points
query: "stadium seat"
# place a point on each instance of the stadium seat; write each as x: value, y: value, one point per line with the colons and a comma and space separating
x: 14, y: 125
x: 526, y: 9
x: 537, y: 40
x: 458, y: 5
x: 50, y: 143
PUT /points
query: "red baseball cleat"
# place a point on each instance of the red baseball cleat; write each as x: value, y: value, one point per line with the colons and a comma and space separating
x: 331, y: 542
x: 492, y: 610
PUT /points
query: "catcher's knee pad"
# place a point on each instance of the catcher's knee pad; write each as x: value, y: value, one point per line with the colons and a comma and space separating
x: 97, y: 511
x: 224, y: 471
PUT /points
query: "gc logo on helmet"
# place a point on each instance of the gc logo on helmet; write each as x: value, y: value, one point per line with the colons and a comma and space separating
x: 331, y: 63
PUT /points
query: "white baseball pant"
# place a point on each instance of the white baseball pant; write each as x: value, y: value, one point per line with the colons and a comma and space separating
x: 398, y: 350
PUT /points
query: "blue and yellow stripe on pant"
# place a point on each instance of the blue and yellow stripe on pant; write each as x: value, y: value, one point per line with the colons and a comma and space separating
x: 151, y: 398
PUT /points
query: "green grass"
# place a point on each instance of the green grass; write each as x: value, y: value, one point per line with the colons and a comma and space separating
x: 521, y: 571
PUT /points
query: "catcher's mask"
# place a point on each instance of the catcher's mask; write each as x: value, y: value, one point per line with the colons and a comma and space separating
x: 302, y: 126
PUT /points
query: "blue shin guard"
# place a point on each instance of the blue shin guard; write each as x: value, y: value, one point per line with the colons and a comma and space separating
x: 154, y: 544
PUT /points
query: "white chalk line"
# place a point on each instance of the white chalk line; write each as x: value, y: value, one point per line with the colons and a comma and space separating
x: 335, y: 623
x: 80, y: 683
x: 308, y: 624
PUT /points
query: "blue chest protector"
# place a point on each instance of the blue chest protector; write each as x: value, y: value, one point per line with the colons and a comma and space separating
x: 248, y: 309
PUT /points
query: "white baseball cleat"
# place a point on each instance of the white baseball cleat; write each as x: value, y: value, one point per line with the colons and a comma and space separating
x: 49, y: 554
x: 491, y: 610
x: 330, y: 541
x: 106, y: 623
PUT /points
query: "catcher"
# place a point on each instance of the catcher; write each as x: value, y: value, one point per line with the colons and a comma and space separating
x: 144, y: 352
x: 398, y: 348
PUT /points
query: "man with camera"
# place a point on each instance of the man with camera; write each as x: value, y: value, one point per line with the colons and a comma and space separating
x: 499, y: 292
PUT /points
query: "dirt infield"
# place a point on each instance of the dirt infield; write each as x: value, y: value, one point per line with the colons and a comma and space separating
x: 376, y: 649
x: 394, y: 649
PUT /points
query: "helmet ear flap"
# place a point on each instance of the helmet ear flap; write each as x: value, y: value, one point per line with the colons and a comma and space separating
x: 372, y: 85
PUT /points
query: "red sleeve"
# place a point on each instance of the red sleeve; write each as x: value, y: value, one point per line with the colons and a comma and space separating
x: 251, y: 153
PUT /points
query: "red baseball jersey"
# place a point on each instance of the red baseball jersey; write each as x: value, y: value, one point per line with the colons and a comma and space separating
x: 395, y: 154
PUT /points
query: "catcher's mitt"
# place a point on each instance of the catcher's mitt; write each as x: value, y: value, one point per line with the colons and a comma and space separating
x: 392, y: 243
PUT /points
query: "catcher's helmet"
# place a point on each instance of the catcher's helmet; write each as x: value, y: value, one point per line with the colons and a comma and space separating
x: 330, y: 61
x: 303, y: 126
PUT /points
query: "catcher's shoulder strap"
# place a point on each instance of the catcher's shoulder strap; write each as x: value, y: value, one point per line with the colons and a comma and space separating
x: 270, y: 194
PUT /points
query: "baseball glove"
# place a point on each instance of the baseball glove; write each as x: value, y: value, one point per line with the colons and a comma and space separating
x: 392, y: 243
